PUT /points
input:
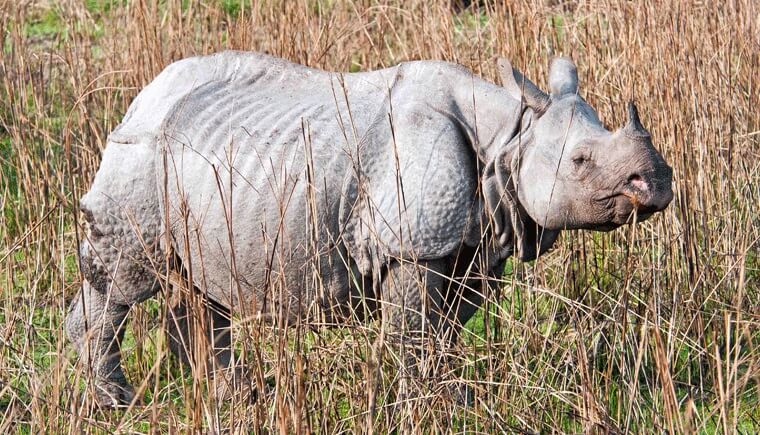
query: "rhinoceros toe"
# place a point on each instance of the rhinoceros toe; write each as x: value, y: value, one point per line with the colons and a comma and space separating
x: 112, y: 394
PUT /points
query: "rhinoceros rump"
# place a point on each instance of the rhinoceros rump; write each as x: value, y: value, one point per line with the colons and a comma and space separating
x: 289, y: 193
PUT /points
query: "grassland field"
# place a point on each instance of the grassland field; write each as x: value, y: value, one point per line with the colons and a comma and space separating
x: 653, y: 328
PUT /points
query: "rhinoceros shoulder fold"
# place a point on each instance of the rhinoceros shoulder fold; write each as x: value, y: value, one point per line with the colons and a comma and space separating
x: 415, y: 196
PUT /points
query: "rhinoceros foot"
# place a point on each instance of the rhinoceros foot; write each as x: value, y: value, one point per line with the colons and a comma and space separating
x: 114, y: 394
x: 234, y: 384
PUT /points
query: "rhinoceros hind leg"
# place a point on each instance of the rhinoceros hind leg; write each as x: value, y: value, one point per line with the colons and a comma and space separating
x: 199, y: 333
x: 186, y: 319
x: 96, y: 326
x: 121, y: 261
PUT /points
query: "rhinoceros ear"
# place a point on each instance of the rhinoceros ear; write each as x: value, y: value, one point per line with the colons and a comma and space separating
x: 521, y: 88
x: 563, y: 77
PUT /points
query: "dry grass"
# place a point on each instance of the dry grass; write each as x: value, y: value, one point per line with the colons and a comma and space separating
x: 652, y: 328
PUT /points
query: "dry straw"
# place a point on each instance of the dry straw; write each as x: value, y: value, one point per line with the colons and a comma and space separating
x: 651, y: 328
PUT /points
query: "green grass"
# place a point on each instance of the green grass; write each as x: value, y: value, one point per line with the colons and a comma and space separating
x: 470, y: 20
x: 48, y: 24
x: 9, y: 178
x: 104, y: 6
x: 233, y: 8
x: 557, y: 23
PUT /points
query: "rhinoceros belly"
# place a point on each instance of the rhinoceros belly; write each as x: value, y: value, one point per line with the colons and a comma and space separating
x: 253, y: 186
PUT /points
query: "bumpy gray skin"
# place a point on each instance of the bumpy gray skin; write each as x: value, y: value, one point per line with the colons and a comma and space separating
x: 291, y: 193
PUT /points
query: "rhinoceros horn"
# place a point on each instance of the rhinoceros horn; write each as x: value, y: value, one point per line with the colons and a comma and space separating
x: 633, y: 127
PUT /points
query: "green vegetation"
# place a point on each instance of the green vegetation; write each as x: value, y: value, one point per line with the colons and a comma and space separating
x: 48, y: 23
x: 233, y: 8
x: 104, y: 6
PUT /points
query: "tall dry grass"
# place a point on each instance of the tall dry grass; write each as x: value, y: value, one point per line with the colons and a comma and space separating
x: 651, y: 328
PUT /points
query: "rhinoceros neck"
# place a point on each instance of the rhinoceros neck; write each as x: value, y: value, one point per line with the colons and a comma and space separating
x: 492, y: 114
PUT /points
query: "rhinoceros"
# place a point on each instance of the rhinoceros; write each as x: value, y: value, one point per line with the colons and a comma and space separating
x: 285, y: 192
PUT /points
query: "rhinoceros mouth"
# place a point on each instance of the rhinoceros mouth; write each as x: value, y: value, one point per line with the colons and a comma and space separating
x: 622, y: 208
x: 637, y: 217
x: 629, y: 209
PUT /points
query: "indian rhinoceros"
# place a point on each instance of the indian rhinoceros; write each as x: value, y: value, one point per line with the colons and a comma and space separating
x: 287, y: 192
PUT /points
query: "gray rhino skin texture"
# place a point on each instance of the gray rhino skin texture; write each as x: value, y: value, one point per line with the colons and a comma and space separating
x: 290, y: 192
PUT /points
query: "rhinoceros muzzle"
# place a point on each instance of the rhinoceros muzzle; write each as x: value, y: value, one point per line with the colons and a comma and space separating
x: 649, y: 190
x: 641, y: 197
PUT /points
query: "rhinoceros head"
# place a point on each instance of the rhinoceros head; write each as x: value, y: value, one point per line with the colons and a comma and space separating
x: 570, y: 171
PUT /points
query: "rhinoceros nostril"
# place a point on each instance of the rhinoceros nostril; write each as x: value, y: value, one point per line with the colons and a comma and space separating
x: 638, y: 183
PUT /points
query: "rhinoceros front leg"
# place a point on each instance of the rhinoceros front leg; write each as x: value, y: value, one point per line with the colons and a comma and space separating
x: 98, y: 314
x: 185, y: 321
x: 414, y: 320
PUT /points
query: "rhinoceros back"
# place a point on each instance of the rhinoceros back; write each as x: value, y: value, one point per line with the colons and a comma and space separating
x: 154, y: 103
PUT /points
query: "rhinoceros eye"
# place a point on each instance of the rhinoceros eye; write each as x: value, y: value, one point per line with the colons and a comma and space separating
x: 580, y: 160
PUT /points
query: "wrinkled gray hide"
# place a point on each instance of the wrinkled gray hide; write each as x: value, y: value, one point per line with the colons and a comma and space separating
x: 285, y: 192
